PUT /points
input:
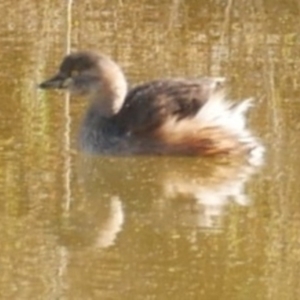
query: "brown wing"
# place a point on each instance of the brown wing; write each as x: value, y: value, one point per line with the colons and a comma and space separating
x: 148, y: 105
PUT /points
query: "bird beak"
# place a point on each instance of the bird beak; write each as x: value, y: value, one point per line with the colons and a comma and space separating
x: 59, y: 81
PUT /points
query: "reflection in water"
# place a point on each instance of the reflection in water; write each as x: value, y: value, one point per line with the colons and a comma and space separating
x: 97, y: 224
x: 189, y: 193
x: 210, y: 195
x: 112, y: 226
x: 129, y: 209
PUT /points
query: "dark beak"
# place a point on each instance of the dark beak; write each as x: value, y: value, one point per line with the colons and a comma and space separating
x: 56, y: 82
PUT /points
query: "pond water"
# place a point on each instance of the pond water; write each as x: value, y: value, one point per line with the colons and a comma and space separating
x: 74, y: 226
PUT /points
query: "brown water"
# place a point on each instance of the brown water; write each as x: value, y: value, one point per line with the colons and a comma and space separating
x: 79, y: 227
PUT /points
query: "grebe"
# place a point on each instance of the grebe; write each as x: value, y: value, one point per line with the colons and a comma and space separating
x: 162, y: 117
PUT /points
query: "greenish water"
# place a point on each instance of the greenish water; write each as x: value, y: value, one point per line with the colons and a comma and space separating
x: 80, y: 227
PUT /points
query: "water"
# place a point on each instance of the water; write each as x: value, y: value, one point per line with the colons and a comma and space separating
x: 74, y: 226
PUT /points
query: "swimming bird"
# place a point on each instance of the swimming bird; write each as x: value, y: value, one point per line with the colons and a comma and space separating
x: 174, y: 116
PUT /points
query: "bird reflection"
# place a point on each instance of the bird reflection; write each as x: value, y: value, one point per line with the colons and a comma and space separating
x: 201, y: 201
x: 193, y: 194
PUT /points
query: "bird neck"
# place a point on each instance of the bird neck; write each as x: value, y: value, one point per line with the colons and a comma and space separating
x: 108, y: 97
x: 97, y: 130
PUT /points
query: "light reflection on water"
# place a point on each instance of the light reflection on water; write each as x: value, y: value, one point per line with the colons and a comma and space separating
x: 79, y: 227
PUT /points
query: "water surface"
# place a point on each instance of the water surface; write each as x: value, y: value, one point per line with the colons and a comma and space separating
x: 74, y: 226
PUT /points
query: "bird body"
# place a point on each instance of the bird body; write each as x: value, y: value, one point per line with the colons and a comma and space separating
x: 161, y: 117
